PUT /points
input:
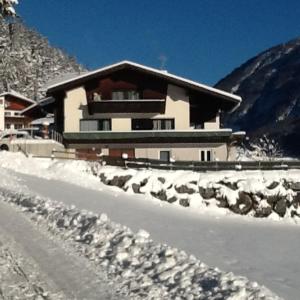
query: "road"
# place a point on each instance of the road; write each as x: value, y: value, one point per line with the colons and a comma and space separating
x: 66, y: 274
x: 263, y: 251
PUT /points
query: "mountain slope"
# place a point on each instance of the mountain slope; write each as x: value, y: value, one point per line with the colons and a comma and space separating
x: 27, y: 61
x: 270, y: 87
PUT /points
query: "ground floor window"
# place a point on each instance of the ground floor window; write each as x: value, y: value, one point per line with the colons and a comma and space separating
x: 205, y: 155
x: 165, y: 155
x: 95, y: 125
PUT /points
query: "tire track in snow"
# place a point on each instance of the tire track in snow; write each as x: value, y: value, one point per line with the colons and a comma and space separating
x: 69, y: 274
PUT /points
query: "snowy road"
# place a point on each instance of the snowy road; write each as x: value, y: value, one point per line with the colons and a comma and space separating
x: 263, y: 251
x: 66, y: 274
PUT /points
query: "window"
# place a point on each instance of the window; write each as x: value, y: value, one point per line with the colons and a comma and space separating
x: 202, y: 155
x: 104, y: 124
x: 7, y: 113
x: 163, y: 124
x: 88, y: 125
x: 152, y: 124
x: 95, y: 125
x: 125, y: 95
x: 8, y: 126
x: 18, y: 126
x: 164, y: 155
x: 206, y: 155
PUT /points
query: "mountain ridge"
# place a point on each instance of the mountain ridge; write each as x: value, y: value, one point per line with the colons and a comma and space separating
x: 269, y: 86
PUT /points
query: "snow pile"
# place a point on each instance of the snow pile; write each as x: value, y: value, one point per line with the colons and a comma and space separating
x: 72, y: 171
x: 146, y: 270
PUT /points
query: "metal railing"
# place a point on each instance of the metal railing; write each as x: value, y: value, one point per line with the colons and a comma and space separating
x: 202, y: 166
x: 56, y: 136
x: 145, y: 163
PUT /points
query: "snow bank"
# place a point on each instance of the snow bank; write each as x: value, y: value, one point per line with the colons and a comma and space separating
x: 146, y: 270
x: 267, y: 194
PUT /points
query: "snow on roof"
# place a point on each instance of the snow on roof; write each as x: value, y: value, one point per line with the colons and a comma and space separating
x: 162, y: 73
x: 41, y: 121
x: 17, y: 95
x: 62, y: 78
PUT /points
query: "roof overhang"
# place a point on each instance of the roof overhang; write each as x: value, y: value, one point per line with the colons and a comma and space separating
x: 170, y: 78
x: 17, y: 95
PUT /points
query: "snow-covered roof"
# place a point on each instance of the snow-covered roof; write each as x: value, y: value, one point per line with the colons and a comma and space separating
x: 41, y: 121
x: 62, y: 78
x: 160, y: 73
x: 17, y: 95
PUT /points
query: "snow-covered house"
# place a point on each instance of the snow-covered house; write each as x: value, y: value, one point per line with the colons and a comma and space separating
x: 12, y: 108
x: 144, y: 112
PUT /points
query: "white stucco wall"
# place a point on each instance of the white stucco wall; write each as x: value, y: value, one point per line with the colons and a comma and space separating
x: 177, y: 107
x: 73, y: 107
x: 120, y: 124
x: 218, y: 152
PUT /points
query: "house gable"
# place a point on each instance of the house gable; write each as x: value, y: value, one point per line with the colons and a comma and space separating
x: 226, y: 100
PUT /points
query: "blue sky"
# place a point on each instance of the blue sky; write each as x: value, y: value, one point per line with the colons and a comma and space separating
x: 202, y: 40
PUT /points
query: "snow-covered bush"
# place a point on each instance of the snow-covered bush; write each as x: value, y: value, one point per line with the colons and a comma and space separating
x: 263, y: 148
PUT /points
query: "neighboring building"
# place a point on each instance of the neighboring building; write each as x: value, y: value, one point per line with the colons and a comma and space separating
x: 144, y: 112
x: 12, y: 107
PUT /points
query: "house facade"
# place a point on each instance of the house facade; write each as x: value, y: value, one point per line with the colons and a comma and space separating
x: 143, y: 112
x: 12, y: 107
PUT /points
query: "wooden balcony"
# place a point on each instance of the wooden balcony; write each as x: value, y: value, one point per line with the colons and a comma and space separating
x: 127, y: 106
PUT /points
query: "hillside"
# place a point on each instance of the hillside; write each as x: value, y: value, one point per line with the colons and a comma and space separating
x: 28, y: 61
x: 269, y: 85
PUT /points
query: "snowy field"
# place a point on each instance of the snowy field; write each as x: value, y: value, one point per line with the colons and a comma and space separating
x: 244, y: 245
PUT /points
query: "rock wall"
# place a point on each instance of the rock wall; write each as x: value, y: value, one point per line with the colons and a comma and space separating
x: 253, y: 195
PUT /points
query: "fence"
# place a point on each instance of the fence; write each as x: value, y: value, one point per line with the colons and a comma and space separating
x: 145, y: 163
x: 202, y: 166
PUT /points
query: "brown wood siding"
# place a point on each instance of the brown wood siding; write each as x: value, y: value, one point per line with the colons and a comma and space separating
x: 87, y: 154
x: 15, y: 103
x: 119, y: 152
x: 148, y: 86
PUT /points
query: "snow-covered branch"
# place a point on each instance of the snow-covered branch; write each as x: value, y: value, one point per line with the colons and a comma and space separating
x: 7, y: 8
x: 263, y: 148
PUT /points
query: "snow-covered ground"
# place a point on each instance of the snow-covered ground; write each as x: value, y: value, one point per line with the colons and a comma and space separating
x: 19, y: 277
x: 221, y: 193
x: 246, y: 246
